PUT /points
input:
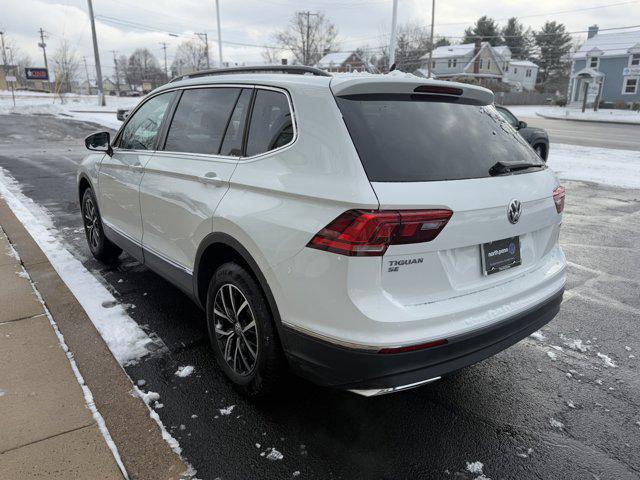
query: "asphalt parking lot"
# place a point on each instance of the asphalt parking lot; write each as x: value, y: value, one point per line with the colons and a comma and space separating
x: 563, y: 405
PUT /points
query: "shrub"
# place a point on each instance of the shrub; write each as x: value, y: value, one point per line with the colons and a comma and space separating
x: 561, y: 101
x: 636, y: 107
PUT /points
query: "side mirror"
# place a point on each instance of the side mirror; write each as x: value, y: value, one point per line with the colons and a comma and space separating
x: 99, y: 142
x: 122, y: 114
x: 522, y: 125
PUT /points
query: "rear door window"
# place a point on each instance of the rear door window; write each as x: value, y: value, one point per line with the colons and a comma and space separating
x: 411, y: 138
x: 271, y: 124
x: 200, y: 120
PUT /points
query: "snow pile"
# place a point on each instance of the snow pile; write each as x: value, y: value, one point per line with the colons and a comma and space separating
x: 2, y: 392
x: 619, y: 168
x: 274, y: 455
x: 228, y: 410
x: 608, y: 115
x: 167, y: 437
x: 78, y: 107
x: 184, y: 371
x: 476, y: 469
x: 556, y: 423
x: 607, y: 360
x: 538, y: 336
x: 124, y: 337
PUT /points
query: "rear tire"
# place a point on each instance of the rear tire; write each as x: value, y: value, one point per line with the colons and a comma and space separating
x: 242, y: 332
x: 99, y: 245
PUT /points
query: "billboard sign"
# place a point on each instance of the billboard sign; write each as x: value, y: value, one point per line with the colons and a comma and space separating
x: 36, y: 73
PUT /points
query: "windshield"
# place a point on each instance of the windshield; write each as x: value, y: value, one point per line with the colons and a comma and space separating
x: 420, y: 138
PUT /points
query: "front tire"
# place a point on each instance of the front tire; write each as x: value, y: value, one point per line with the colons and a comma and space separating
x: 101, y: 247
x: 242, y: 331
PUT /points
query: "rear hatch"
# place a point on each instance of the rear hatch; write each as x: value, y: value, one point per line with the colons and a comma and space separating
x: 443, y: 147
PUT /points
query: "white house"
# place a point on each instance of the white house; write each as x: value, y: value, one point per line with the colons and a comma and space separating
x: 483, y: 62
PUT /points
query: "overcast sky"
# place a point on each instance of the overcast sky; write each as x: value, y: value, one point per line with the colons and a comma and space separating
x: 126, y: 25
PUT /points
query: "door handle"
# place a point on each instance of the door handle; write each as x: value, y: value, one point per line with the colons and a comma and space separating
x: 212, y: 178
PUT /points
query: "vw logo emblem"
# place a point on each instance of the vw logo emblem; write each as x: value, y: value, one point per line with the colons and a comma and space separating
x: 514, y: 211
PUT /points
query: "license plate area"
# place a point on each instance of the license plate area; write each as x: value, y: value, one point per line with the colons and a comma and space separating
x: 500, y: 255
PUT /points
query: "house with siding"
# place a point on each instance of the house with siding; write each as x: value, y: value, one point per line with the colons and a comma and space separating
x: 607, y: 66
x: 482, y: 61
x: 342, y: 62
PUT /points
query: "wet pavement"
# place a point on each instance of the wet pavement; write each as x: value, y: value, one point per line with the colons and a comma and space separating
x: 549, y: 407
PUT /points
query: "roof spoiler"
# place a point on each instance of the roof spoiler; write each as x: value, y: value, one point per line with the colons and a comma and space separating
x: 373, y: 85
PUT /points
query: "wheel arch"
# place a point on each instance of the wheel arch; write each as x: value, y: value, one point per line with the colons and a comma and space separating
x: 218, y: 248
x: 83, y: 184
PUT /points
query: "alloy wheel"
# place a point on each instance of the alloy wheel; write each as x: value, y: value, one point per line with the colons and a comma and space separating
x: 92, y: 224
x: 236, y: 329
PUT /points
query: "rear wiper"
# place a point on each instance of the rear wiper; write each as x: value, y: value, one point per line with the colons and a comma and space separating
x: 500, y: 168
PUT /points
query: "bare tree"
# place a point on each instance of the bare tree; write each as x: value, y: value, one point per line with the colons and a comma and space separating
x: 15, y: 59
x: 190, y: 57
x: 66, y: 65
x: 143, y: 67
x: 308, y: 37
x: 271, y: 56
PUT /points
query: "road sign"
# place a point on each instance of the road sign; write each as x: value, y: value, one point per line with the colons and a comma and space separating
x: 10, y: 78
x: 36, y: 73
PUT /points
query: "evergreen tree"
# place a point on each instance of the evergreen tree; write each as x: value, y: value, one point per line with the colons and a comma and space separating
x: 554, y: 44
x: 519, y: 40
x: 486, y: 29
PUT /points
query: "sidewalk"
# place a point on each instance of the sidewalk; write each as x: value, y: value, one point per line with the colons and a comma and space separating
x: 68, y: 409
x: 47, y: 429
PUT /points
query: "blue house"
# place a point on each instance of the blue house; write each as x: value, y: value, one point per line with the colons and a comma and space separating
x: 607, y: 65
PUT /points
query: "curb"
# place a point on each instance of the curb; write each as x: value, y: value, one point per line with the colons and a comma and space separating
x: 589, y: 120
x: 137, y: 436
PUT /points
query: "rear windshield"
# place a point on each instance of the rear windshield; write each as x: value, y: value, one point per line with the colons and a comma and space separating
x: 420, y: 138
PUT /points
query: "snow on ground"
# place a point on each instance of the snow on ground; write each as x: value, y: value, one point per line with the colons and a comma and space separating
x: 620, y: 168
x: 606, y: 115
x: 124, y: 337
x: 184, y: 371
x: 78, y: 107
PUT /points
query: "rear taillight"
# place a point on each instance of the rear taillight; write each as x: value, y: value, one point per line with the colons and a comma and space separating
x: 361, y: 233
x: 558, y: 198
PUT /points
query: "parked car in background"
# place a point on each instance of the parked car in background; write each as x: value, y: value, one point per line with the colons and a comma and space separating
x: 536, y: 137
x: 352, y: 229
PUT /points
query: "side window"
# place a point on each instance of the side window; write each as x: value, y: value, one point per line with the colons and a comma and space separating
x: 508, y: 116
x: 200, y: 120
x: 232, y: 143
x: 141, y: 131
x: 271, y: 123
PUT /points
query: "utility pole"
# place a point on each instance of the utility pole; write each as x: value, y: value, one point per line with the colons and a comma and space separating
x: 392, y: 43
x: 115, y: 64
x: 307, y: 48
x: 101, y: 100
x: 86, y: 71
x: 43, y: 46
x: 4, y: 53
x: 433, y: 17
x: 164, y: 47
x: 205, y: 39
x: 219, y: 33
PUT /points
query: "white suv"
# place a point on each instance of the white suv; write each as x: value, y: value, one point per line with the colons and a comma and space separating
x: 370, y: 233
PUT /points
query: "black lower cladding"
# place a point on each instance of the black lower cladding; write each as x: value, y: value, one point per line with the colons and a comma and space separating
x: 332, y: 365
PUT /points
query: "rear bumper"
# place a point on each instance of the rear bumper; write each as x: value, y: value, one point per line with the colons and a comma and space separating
x: 329, y: 364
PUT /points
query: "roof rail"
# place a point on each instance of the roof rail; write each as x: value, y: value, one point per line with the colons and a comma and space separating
x: 290, y: 69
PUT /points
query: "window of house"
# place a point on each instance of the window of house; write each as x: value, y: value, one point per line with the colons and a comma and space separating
x: 593, y: 62
x: 488, y: 64
x: 630, y: 85
x: 455, y: 62
x: 271, y: 123
x: 480, y: 63
x: 141, y: 130
x: 634, y: 60
x: 200, y: 120
x: 433, y: 64
x: 449, y: 63
x: 528, y: 73
x: 515, y: 70
x: 506, y: 68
